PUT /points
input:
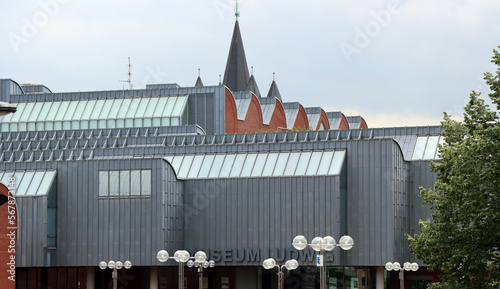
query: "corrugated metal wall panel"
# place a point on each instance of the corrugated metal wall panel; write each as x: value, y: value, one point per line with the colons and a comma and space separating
x: 265, y: 213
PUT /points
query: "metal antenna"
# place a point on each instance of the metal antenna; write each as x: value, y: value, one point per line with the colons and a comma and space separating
x: 129, y: 81
x: 237, y: 13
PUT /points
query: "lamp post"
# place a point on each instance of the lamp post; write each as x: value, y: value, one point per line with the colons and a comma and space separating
x: 323, y: 245
x: 115, y: 266
x: 407, y: 266
x: 6, y: 108
x: 200, y: 266
x: 289, y: 265
x: 182, y: 256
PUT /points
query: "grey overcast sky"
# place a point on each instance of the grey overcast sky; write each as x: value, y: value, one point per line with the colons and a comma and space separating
x: 394, y: 62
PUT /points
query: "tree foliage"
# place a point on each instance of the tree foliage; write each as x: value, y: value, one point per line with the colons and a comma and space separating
x: 462, y: 238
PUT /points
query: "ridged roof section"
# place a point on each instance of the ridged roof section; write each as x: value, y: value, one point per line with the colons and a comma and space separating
x: 335, y: 118
x: 267, y: 105
x: 291, y: 112
x: 354, y: 122
x: 236, y: 75
x: 313, y: 116
x: 274, y: 91
x: 242, y: 101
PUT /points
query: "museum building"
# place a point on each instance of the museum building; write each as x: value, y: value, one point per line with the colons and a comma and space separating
x: 120, y: 175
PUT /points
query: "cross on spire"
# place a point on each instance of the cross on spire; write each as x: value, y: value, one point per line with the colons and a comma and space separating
x: 237, y: 13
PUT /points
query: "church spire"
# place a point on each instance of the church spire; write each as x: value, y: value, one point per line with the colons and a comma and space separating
x: 236, y: 74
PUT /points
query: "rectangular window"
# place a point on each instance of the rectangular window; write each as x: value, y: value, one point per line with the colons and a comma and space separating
x: 124, y: 183
x: 103, y: 183
x: 135, y: 182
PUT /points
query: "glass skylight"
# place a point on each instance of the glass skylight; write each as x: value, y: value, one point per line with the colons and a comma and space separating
x: 96, y: 114
x: 29, y: 183
x: 426, y: 148
x: 273, y: 164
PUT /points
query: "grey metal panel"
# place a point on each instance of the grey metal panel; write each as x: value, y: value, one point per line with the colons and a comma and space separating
x: 273, y: 215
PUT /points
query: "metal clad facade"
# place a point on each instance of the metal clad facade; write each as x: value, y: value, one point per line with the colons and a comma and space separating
x: 259, y: 214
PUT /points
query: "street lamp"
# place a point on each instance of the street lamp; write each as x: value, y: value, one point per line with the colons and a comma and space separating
x: 200, y: 262
x: 407, y: 266
x: 6, y: 108
x: 322, y: 245
x: 289, y: 265
x: 115, y: 266
x: 182, y: 256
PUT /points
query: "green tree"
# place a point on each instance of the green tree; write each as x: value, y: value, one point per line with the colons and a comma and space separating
x: 462, y: 238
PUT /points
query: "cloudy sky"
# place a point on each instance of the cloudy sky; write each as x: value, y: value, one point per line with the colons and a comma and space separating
x: 394, y: 62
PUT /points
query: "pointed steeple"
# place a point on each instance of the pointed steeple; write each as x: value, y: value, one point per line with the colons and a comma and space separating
x: 198, y: 83
x: 252, y: 86
x: 274, y: 91
x: 236, y: 75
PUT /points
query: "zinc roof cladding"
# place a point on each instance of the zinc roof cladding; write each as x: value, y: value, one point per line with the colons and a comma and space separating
x: 313, y: 116
x: 91, y: 113
x: 268, y: 104
x: 354, y: 122
x: 263, y: 164
x: 334, y: 118
x: 242, y: 100
x: 29, y: 183
x: 291, y: 112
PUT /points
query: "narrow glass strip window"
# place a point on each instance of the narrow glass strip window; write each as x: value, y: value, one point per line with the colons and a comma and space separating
x: 314, y: 162
x: 291, y: 165
x: 114, y: 183
x: 61, y: 111
x: 88, y: 109
x: 115, y: 108
x: 238, y: 165
x: 248, y: 165
x: 206, y: 166
x: 195, y: 167
x: 337, y: 163
x: 103, y: 183
x: 97, y: 109
x: 160, y: 107
x: 20, y: 110
x: 260, y: 161
x: 27, y: 111
x: 305, y: 157
x: 176, y: 163
x: 281, y: 164
x: 226, y: 167
x: 48, y: 179
x: 129, y: 106
x: 418, y: 151
x: 35, y: 112
x: 185, y: 166
x: 135, y: 182
x: 169, y: 107
x: 179, y: 105
x: 270, y: 164
x: 146, y: 182
x: 431, y: 148
x: 324, y: 165
x: 22, y: 190
x: 215, y: 170
x: 35, y: 189
x: 124, y: 183
x: 42, y: 116
x: 79, y: 110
